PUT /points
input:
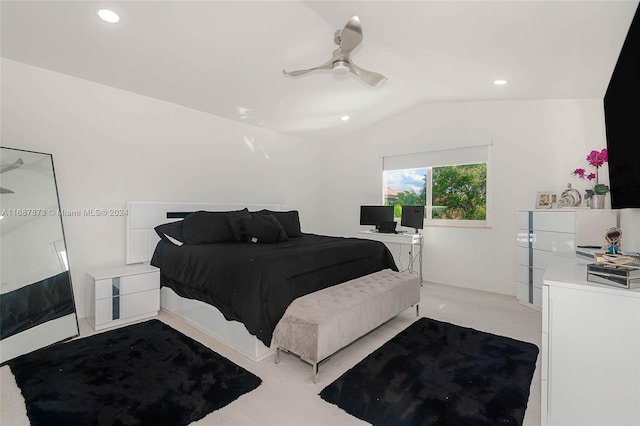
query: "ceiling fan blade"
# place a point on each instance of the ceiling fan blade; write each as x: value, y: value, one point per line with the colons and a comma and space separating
x: 326, y: 66
x: 369, y: 77
x: 351, y: 35
x: 12, y: 166
x: 5, y: 191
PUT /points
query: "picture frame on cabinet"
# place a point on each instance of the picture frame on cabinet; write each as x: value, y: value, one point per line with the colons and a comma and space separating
x: 546, y: 200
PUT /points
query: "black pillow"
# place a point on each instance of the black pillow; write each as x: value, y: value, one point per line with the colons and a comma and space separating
x: 206, y: 227
x: 171, y: 232
x: 260, y: 230
x: 290, y: 221
x: 282, y: 236
x: 236, y: 223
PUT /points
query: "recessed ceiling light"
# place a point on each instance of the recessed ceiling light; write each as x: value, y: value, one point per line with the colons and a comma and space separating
x: 345, y: 118
x: 500, y: 82
x: 108, y: 16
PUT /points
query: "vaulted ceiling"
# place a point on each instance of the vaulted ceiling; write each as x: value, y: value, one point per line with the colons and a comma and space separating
x: 226, y: 57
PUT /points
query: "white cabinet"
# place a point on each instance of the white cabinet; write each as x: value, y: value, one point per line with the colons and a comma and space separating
x: 542, y: 232
x: 120, y: 295
x: 590, y: 362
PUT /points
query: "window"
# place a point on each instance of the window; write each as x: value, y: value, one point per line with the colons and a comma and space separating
x: 61, y: 252
x: 452, y: 184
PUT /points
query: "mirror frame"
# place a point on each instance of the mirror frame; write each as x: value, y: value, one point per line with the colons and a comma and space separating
x: 40, y: 313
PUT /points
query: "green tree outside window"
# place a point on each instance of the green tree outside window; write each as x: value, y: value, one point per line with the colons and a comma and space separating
x: 458, y: 192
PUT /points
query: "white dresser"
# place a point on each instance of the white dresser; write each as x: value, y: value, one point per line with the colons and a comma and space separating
x: 590, y: 349
x: 121, y: 295
x: 542, y: 232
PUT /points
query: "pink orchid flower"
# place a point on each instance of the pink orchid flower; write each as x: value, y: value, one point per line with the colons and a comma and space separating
x: 579, y: 172
x: 595, y: 159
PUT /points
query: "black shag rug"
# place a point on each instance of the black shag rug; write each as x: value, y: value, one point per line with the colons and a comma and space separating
x: 142, y: 374
x: 436, y: 373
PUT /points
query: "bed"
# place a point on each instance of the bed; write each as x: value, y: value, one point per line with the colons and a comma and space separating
x: 238, y: 290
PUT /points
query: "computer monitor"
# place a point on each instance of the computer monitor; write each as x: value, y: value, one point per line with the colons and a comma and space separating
x: 374, y: 215
x: 412, y: 217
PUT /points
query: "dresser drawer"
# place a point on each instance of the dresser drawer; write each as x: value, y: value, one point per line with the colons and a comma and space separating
x: 541, y: 258
x: 538, y: 276
x: 522, y: 274
x: 522, y: 291
x: 554, y: 221
x: 522, y: 256
x: 553, y: 241
x: 522, y: 238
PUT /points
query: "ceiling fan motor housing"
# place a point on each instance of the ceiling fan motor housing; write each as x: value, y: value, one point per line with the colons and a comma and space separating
x: 341, y: 67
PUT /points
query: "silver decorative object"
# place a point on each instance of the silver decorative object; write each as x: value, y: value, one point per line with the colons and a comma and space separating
x: 570, y: 197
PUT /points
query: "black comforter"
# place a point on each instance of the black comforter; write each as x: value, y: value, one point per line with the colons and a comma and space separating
x: 255, y: 283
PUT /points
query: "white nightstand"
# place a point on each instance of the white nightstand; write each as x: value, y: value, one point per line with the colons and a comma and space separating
x: 121, y: 295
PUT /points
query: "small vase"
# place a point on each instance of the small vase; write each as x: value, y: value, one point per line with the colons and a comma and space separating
x: 597, y: 201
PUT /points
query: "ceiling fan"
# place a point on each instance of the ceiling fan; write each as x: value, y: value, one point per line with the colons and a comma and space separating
x: 14, y: 165
x: 347, y: 40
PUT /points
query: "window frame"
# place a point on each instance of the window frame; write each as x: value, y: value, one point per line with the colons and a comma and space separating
x: 412, y: 164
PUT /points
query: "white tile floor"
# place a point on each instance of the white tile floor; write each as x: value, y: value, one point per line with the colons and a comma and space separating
x: 287, y: 395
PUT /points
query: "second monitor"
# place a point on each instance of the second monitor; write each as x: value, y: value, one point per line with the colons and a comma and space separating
x: 412, y: 217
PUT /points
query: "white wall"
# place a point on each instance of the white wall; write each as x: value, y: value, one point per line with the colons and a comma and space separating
x: 536, y: 144
x: 110, y: 146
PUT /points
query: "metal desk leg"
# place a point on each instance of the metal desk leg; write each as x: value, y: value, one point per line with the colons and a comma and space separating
x: 411, y: 251
x: 420, y: 257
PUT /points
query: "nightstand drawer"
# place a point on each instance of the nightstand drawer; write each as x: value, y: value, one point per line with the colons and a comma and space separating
x: 141, y: 282
x: 127, y: 306
x: 126, y: 285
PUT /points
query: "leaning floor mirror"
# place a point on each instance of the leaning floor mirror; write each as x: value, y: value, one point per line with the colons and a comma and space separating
x: 37, y: 308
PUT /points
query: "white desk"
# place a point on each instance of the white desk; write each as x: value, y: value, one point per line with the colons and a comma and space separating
x: 411, y: 240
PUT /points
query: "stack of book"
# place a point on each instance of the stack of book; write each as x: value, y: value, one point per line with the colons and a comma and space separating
x: 625, y: 276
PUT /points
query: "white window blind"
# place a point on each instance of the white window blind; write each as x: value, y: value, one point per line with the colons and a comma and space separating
x: 443, y: 157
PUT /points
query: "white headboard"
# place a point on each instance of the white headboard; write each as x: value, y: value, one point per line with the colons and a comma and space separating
x: 141, y: 238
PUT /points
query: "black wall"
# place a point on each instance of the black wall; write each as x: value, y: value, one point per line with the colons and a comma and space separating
x: 622, y: 120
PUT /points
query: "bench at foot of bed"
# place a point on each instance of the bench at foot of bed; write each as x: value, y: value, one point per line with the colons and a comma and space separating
x: 317, y: 325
